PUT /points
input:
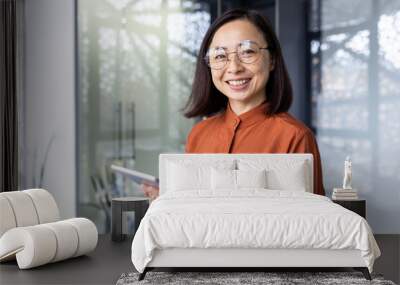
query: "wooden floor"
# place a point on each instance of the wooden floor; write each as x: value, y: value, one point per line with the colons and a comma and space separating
x: 103, y: 266
x: 110, y: 260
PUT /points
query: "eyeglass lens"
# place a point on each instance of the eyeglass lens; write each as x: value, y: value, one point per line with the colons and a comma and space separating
x: 247, y: 52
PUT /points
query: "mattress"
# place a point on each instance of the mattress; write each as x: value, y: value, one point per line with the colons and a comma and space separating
x: 250, y: 219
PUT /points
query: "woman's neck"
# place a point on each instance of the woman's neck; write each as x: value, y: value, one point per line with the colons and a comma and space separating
x: 240, y: 107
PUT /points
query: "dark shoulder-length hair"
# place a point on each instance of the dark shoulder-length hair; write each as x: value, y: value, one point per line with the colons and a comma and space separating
x: 206, y: 100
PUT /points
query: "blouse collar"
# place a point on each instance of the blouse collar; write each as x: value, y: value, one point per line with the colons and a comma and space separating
x: 250, y: 117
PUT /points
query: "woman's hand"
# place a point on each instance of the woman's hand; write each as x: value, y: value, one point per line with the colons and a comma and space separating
x: 150, y: 191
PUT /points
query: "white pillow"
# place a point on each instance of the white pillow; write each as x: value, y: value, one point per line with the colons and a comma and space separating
x: 236, y: 179
x: 188, y: 175
x: 281, y: 174
x: 223, y: 179
x: 293, y: 179
x: 251, y: 178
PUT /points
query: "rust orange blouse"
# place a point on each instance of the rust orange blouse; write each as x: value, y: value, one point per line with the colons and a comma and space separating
x: 255, y: 132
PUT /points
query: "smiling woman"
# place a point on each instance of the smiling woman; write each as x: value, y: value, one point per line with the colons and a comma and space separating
x: 236, y: 32
x: 242, y: 87
x: 243, y: 77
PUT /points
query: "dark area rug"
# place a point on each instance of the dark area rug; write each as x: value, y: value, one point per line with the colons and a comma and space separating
x: 273, y: 278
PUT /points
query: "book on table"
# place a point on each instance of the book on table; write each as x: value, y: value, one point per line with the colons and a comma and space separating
x: 344, y: 194
x: 334, y: 197
x: 137, y: 176
x: 341, y: 190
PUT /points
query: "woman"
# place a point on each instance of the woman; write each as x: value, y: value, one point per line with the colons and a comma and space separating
x: 241, y: 84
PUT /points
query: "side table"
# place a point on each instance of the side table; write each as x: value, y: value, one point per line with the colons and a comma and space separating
x: 138, y: 205
x: 357, y: 206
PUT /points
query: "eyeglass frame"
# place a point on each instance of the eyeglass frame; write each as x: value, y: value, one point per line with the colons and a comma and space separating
x: 206, y: 57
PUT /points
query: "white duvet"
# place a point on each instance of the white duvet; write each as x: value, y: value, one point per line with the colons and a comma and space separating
x: 250, y: 219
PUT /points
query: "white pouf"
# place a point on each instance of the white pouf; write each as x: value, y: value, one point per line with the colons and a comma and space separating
x: 31, y: 233
x: 37, y: 245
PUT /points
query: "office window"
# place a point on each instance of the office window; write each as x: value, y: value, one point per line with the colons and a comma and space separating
x: 355, y: 78
x: 136, y: 63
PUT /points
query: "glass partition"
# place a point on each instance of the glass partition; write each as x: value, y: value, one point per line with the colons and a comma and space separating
x: 355, y: 78
x: 136, y: 63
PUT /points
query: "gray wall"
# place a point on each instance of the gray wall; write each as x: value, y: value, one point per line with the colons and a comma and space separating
x: 49, y: 99
x: 290, y: 26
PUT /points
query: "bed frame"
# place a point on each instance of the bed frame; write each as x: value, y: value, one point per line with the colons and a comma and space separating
x: 246, y: 258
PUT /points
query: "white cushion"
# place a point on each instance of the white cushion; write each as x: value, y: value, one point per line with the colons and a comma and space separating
x: 223, y: 179
x: 67, y: 239
x: 227, y: 179
x: 87, y: 233
x: 288, y: 175
x: 186, y: 175
x: 251, y: 178
x: 23, y: 208
x: 45, y: 205
x: 27, y: 208
x: 32, y: 246
x: 7, y: 220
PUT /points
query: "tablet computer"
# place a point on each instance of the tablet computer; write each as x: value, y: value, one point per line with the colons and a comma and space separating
x: 137, y: 176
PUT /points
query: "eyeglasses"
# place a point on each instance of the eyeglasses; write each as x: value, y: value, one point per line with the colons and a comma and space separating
x: 247, y: 52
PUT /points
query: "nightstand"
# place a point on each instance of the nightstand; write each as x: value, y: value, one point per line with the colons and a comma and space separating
x: 357, y: 206
x: 138, y: 205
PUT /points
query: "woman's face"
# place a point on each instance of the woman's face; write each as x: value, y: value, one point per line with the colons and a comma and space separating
x: 244, y: 83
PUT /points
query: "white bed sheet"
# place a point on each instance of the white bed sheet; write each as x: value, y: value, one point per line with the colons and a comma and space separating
x: 252, y: 218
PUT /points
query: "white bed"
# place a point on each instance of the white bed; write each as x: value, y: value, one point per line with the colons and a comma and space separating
x: 204, y: 219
